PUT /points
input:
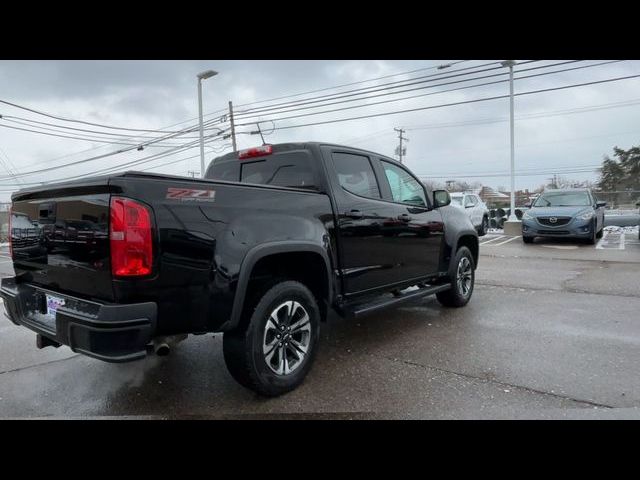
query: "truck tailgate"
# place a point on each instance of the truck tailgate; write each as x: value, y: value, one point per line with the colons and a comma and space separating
x: 60, y: 240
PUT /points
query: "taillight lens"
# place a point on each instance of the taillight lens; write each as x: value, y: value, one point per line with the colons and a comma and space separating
x: 130, y: 237
x: 255, y: 152
x: 10, y: 232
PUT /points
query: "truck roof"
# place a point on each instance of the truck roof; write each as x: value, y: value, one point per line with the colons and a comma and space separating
x: 301, y: 145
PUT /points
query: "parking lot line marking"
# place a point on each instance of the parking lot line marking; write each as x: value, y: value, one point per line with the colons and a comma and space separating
x: 600, y: 243
x: 493, y: 240
x: 506, y: 241
x: 621, y: 245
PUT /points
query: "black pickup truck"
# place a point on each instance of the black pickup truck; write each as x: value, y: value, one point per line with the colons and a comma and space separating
x: 262, y: 248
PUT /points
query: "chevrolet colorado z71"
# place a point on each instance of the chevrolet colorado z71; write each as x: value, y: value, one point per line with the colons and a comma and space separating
x: 262, y: 248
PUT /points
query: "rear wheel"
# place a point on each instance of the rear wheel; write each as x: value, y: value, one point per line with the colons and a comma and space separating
x: 462, y: 277
x: 273, y: 353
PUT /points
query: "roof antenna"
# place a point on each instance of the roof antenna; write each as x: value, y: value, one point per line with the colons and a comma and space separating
x: 260, y: 132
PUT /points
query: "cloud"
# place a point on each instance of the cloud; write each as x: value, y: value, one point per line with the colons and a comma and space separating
x: 154, y: 94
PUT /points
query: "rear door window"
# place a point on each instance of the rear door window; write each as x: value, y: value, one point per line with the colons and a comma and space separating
x: 355, y: 174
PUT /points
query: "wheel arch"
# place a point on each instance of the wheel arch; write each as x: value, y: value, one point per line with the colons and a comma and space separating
x: 288, y: 259
x: 470, y: 240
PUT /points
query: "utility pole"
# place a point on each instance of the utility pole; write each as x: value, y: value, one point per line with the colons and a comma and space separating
x: 400, y: 138
x: 233, y: 128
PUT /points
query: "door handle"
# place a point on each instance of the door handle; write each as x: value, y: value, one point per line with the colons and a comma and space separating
x: 354, y: 214
x: 405, y: 217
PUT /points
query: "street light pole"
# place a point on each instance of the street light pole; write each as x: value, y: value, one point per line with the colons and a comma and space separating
x: 512, y: 213
x: 202, y: 76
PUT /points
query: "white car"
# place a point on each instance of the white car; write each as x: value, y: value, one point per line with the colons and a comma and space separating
x: 475, y: 208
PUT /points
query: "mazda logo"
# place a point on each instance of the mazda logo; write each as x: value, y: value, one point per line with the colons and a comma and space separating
x: 553, y: 219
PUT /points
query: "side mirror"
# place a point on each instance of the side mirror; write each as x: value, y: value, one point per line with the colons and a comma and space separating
x: 527, y: 205
x: 601, y: 204
x: 441, y: 198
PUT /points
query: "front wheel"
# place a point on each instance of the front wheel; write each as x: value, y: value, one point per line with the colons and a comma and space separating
x: 482, y: 231
x: 594, y: 235
x: 462, y: 278
x: 273, y: 353
x: 527, y: 239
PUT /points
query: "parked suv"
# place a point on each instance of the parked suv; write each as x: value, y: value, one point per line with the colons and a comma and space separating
x: 475, y: 208
x: 261, y: 249
x: 573, y: 213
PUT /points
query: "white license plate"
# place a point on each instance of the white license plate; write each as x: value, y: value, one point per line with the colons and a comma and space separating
x: 53, y: 303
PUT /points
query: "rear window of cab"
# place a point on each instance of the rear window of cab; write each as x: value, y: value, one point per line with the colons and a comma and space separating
x: 287, y: 169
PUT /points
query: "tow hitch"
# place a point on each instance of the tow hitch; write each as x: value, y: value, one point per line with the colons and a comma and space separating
x: 42, y: 342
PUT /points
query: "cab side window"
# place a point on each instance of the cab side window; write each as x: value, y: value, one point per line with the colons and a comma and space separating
x: 404, y: 188
x: 355, y: 174
x: 470, y: 201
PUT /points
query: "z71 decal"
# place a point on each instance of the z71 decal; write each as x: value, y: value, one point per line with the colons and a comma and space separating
x: 190, y: 195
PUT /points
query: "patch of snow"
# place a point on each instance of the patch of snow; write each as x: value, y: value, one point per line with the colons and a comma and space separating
x: 499, y: 231
x: 626, y: 230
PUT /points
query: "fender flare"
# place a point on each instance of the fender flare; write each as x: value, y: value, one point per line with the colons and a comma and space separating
x: 261, y: 251
x: 463, y: 233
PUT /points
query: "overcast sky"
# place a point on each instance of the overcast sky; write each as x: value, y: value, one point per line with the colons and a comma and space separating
x: 157, y: 94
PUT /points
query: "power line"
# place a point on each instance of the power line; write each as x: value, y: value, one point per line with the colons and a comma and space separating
x: 477, y: 100
x: 73, y: 137
x: 106, y: 145
x: 119, y: 167
x: 21, y: 120
x: 440, y: 91
x: 529, y: 116
x: 526, y: 145
x: 379, y: 88
x: 78, y: 162
x: 517, y: 174
x: 354, y: 83
x: 64, y: 119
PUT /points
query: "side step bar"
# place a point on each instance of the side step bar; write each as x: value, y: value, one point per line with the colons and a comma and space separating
x: 359, y: 309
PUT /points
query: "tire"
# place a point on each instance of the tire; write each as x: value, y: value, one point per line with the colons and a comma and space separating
x: 456, y: 295
x: 246, y: 350
x: 599, y: 234
x: 594, y: 235
x: 482, y: 231
x: 527, y: 239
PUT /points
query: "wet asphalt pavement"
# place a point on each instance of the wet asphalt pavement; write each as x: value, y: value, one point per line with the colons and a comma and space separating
x: 552, y: 331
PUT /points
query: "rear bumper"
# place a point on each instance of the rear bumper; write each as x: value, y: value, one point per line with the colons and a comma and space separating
x: 109, y: 332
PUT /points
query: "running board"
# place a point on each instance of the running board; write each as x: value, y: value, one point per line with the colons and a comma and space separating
x: 359, y: 309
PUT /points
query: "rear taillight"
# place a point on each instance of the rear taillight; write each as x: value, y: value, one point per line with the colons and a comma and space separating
x: 255, y: 152
x: 10, y: 232
x: 130, y: 237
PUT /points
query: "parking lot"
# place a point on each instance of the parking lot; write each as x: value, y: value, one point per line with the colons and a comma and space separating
x: 552, y: 331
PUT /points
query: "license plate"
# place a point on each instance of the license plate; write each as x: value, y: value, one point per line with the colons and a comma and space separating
x: 53, y: 303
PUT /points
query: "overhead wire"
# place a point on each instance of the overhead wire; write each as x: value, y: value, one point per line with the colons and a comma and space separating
x: 366, y: 105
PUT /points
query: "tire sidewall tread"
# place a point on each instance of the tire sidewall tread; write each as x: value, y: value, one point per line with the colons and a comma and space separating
x: 243, y: 349
x: 451, y: 297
